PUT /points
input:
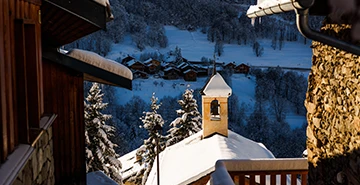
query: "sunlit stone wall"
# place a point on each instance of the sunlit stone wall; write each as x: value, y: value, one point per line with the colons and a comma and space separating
x: 333, y: 106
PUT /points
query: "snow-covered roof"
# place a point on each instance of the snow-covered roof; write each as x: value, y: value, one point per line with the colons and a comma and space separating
x: 151, y: 64
x: 269, y: 7
x: 101, y: 62
x: 129, y: 164
x: 132, y: 62
x: 99, y: 178
x: 217, y: 87
x: 148, y: 60
x: 182, y: 65
x: 193, y: 158
x: 170, y: 68
x: 189, y: 71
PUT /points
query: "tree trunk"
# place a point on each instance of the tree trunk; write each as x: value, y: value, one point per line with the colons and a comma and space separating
x: 333, y: 106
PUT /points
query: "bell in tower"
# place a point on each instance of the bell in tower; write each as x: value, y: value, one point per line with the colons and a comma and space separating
x: 215, y: 106
x: 214, y: 109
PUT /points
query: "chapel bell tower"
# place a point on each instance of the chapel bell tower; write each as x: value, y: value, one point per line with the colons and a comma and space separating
x: 215, y: 106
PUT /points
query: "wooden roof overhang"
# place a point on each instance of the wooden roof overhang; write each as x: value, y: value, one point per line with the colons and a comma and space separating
x: 91, y: 72
x: 64, y: 21
x: 317, y: 7
x: 304, y: 8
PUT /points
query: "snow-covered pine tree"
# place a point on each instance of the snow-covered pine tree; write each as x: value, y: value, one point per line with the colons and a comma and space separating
x: 152, y: 122
x: 188, y: 122
x: 100, y: 153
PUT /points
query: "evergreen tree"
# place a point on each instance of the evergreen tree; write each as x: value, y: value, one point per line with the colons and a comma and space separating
x: 258, y: 49
x: 274, y: 42
x: 152, y: 122
x: 178, y: 55
x: 219, y: 48
x: 100, y: 153
x: 189, y: 120
x: 258, y: 125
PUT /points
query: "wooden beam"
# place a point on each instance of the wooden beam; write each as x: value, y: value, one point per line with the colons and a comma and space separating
x: 3, y: 137
x: 21, y: 85
x: 32, y: 75
x: 86, y: 68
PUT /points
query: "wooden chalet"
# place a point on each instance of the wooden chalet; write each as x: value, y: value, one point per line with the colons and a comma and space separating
x: 152, y: 61
x: 171, y: 73
x: 41, y: 89
x: 185, y: 66
x: 136, y: 65
x: 140, y: 74
x: 190, y: 75
x: 242, y: 68
x: 125, y: 60
x: 230, y: 65
x: 152, y: 68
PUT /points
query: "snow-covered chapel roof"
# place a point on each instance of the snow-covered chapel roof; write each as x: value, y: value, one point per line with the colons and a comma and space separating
x: 216, y: 86
x: 130, y: 165
x: 194, y: 157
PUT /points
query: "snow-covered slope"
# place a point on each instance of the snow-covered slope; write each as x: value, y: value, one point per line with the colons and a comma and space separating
x: 195, y: 45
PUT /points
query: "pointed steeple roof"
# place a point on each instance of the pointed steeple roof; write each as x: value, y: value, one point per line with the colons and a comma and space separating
x: 216, y: 86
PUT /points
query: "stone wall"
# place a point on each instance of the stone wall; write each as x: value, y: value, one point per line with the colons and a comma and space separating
x: 333, y: 112
x: 39, y: 169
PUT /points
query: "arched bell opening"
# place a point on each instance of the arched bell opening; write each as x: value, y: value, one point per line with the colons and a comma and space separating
x: 215, y: 110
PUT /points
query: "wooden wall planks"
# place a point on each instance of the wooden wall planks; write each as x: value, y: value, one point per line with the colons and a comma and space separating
x: 9, y: 103
x: 65, y: 87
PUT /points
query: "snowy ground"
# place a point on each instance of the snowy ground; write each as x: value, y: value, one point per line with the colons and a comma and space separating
x: 194, y: 45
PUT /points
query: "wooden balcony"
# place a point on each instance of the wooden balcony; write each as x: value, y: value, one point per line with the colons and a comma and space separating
x: 288, y: 171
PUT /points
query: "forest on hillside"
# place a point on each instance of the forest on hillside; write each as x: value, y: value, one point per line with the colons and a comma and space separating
x: 277, y: 93
x: 224, y: 21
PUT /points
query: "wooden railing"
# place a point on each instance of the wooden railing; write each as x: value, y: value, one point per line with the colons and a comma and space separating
x: 287, y: 171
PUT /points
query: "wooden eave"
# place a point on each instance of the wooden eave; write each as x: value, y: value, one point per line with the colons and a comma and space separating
x: 64, y: 21
x: 91, y: 72
x: 320, y: 7
x: 317, y: 7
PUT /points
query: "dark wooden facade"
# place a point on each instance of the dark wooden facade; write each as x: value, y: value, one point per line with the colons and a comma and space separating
x: 171, y: 73
x: 152, y: 61
x: 64, y: 96
x: 31, y: 86
x: 20, y: 77
x: 126, y: 60
x: 140, y: 74
x: 152, y: 68
x: 242, y: 68
x: 230, y: 65
x: 137, y: 66
x: 190, y: 75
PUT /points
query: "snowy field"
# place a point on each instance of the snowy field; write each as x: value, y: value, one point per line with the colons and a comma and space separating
x: 194, y: 45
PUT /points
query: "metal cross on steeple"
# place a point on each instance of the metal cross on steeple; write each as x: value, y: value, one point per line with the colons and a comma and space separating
x: 214, y: 66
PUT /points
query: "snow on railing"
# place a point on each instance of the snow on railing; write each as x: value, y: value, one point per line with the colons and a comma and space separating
x: 260, y: 171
